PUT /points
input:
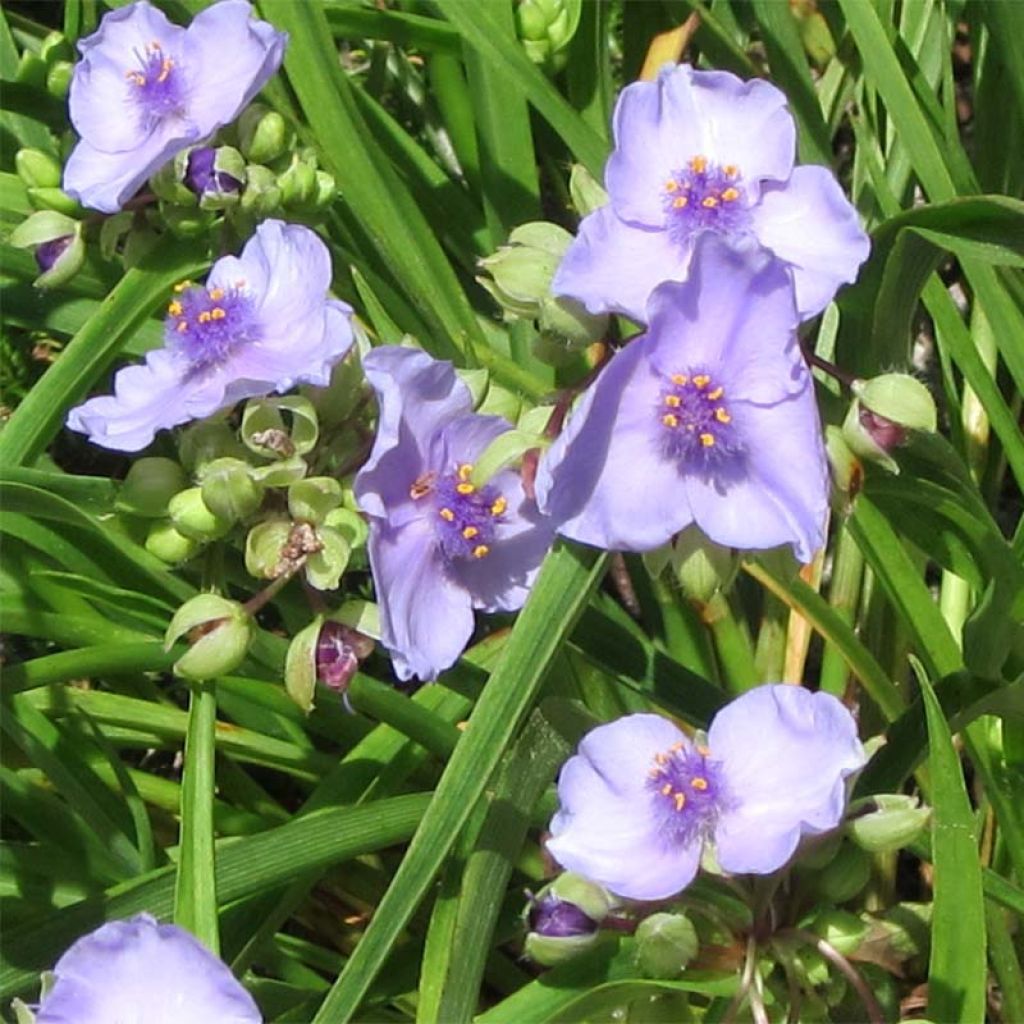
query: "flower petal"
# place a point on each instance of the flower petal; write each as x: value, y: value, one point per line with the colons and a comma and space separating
x: 417, y: 396
x: 138, y: 970
x: 236, y: 55
x: 810, y: 224
x: 125, y: 33
x: 785, y: 754
x: 612, y: 266
x: 604, y: 481
x: 426, y: 617
x: 100, y: 103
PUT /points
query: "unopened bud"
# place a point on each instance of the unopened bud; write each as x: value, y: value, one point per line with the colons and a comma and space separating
x: 53, y: 198
x: 884, y: 410
x: 665, y: 945
x: 840, y: 929
x: 563, y: 918
x: 844, y: 877
x: 546, y: 28
x: 58, y: 246
x: 216, y: 176
x: 37, y: 169
x: 326, y: 190
x: 219, y: 631
x: 164, y: 542
x: 701, y: 567
x: 58, y: 79
x: 586, y: 191
x: 297, y: 183
x: 205, y: 441
x: 229, y: 490
x: 263, y: 134
x: 886, y: 822
x: 192, y: 517
x: 150, y: 485
x: 262, y: 194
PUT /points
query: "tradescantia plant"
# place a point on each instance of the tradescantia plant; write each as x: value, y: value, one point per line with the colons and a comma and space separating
x: 511, y: 511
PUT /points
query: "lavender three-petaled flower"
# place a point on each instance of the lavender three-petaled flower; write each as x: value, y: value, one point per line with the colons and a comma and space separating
x: 262, y: 323
x: 145, y: 89
x: 140, y: 972
x: 440, y: 545
x: 699, y: 151
x: 640, y: 799
x: 708, y: 418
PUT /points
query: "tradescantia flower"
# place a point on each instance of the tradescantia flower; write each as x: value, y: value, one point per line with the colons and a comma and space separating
x: 439, y: 545
x: 140, y: 972
x: 699, y: 151
x: 639, y: 800
x: 146, y: 89
x: 261, y: 323
x: 708, y: 418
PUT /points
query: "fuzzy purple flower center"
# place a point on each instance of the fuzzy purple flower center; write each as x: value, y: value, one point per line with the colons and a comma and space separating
x: 696, y: 426
x: 156, y: 85
x: 704, y: 196
x: 465, y: 515
x: 205, y: 325
x: 687, y: 793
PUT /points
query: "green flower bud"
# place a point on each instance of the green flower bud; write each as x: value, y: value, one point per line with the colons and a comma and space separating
x: 221, y: 631
x: 566, y: 320
x: 883, y: 410
x: 546, y: 28
x: 229, y: 490
x: 202, y: 442
x: 168, y: 183
x: 192, y: 517
x: 265, y: 432
x: 56, y: 47
x: 166, y: 543
x: 311, y: 499
x: 840, y: 929
x: 112, y: 231
x: 37, y: 169
x: 844, y: 877
x: 31, y: 70
x: 58, y: 244
x: 50, y: 198
x: 665, y: 944
x: 264, y: 548
x: 186, y: 222
x: 263, y: 134
x: 150, y: 485
x: 262, y: 194
x: 297, y: 183
x: 887, y: 822
x: 326, y: 190
x: 702, y: 567
x: 58, y: 79
x: 586, y: 191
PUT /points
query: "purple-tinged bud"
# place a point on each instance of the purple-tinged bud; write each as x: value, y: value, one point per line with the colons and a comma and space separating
x: 885, y: 409
x: 556, y: 919
x: 48, y: 253
x: 202, y: 173
x: 328, y: 652
x: 56, y: 241
x: 564, y: 918
x: 884, y: 432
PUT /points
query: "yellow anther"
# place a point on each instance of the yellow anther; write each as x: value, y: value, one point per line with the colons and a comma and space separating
x: 182, y: 326
x: 465, y: 470
x: 676, y: 747
x: 708, y: 440
x: 679, y: 378
x: 182, y: 286
x: 661, y: 759
x: 701, y: 381
x: 481, y: 550
x: 465, y: 488
x: 671, y: 185
x: 699, y: 783
x: 421, y: 486
x: 175, y: 308
x: 205, y: 317
x: 469, y: 532
x: 730, y: 170
x: 135, y: 77
x: 673, y: 401
x: 216, y: 294
x: 709, y: 202
x: 655, y: 773
x: 722, y: 416
x: 680, y: 799
x: 730, y: 195
x: 699, y: 164
x: 165, y: 69
x: 217, y: 313
x: 499, y: 506
x: 670, y: 420
x: 680, y: 202
x: 716, y: 394
x: 446, y: 514
x: 667, y: 789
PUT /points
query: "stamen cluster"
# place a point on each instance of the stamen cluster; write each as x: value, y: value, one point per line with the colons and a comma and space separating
x: 467, y: 514
x: 206, y: 324
x: 703, y: 196
x: 157, y: 86
x: 697, y: 423
x: 686, y: 792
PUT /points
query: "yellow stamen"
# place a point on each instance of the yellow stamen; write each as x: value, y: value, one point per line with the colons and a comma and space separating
x: 661, y: 759
x: 708, y: 440
x: 174, y: 308
x: 182, y: 286
x: 701, y: 381
x: 182, y: 326
x: 165, y: 69
x: 205, y: 317
x: 480, y: 550
x: 499, y: 506
x: 667, y: 789
x: 722, y: 416
x: 655, y: 773
x: 730, y: 195
x: 680, y: 799
x: 421, y: 486
x: 679, y: 378
x: 699, y: 783
x: 216, y: 294
x: 699, y: 164
x: 670, y: 420
x: 730, y: 170
x: 709, y: 202
x: 469, y: 532
x: 671, y: 185
x: 447, y: 515
x: 673, y: 401
x: 680, y: 202
x: 217, y: 313
x: 676, y: 747
x: 715, y: 395
x: 135, y: 77
x: 465, y: 488
x: 465, y: 470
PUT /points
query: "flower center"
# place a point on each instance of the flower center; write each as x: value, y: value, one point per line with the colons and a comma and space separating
x: 697, y: 429
x: 157, y: 85
x: 687, y: 792
x: 704, y: 196
x: 466, y: 514
x: 206, y: 324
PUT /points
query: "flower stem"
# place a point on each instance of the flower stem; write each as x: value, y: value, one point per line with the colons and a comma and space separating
x: 875, y: 1013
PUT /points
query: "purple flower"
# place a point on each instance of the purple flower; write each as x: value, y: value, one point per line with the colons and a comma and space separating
x: 708, y: 418
x: 439, y: 545
x: 261, y: 323
x: 141, y: 972
x: 639, y: 800
x: 201, y: 174
x: 700, y: 151
x: 146, y: 89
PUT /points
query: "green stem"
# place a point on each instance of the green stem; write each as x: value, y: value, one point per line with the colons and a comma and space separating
x: 843, y: 596
x: 732, y: 644
x: 770, y: 653
x: 1005, y: 963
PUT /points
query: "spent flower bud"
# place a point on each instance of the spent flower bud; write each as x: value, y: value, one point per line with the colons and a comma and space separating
x: 219, y: 631
x: 228, y: 489
x: 325, y: 651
